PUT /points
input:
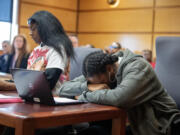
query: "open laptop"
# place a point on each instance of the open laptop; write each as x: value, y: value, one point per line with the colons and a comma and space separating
x: 32, y: 86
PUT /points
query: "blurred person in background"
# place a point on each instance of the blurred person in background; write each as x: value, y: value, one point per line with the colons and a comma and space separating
x: 113, y: 48
x: 74, y: 40
x: 19, y: 55
x: 89, y: 46
x: 147, y: 54
x: 6, y: 48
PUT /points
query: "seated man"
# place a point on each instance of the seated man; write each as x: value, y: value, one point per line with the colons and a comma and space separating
x: 126, y: 80
x: 4, y: 58
x: 147, y: 54
x: 74, y: 40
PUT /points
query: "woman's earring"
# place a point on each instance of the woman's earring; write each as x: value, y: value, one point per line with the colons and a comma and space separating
x: 110, y: 79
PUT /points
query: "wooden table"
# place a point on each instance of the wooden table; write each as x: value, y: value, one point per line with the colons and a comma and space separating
x: 25, y: 118
x: 5, y: 84
x: 5, y: 75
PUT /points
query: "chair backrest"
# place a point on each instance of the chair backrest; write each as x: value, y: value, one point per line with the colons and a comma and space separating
x: 76, y: 65
x: 168, y: 65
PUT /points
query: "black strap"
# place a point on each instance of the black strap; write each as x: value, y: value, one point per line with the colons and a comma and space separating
x: 52, y: 75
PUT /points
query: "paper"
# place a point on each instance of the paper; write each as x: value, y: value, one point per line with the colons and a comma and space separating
x: 3, y: 74
x: 10, y: 99
x: 7, y: 97
x: 64, y: 100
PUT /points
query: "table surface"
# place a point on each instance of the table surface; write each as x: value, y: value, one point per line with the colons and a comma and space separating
x: 33, y: 111
x: 5, y: 75
x: 26, y: 117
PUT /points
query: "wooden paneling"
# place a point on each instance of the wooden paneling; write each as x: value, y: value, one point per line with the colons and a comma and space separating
x: 116, y: 21
x: 131, y: 22
x: 30, y: 44
x: 167, y: 20
x: 102, y: 4
x: 101, y: 25
x: 67, y: 18
x: 135, y: 42
x: 168, y: 2
x: 69, y: 4
x: 64, y: 10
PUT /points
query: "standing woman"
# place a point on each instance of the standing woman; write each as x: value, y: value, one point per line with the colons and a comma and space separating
x: 54, y: 49
x: 19, y: 55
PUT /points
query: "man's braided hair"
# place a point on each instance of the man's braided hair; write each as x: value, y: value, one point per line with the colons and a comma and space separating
x: 95, y: 63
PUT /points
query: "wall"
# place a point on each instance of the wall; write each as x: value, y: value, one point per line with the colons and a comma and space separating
x: 64, y: 10
x: 134, y: 23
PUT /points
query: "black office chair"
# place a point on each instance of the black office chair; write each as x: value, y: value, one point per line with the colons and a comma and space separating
x: 76, y: 65
x: 168, y: 65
